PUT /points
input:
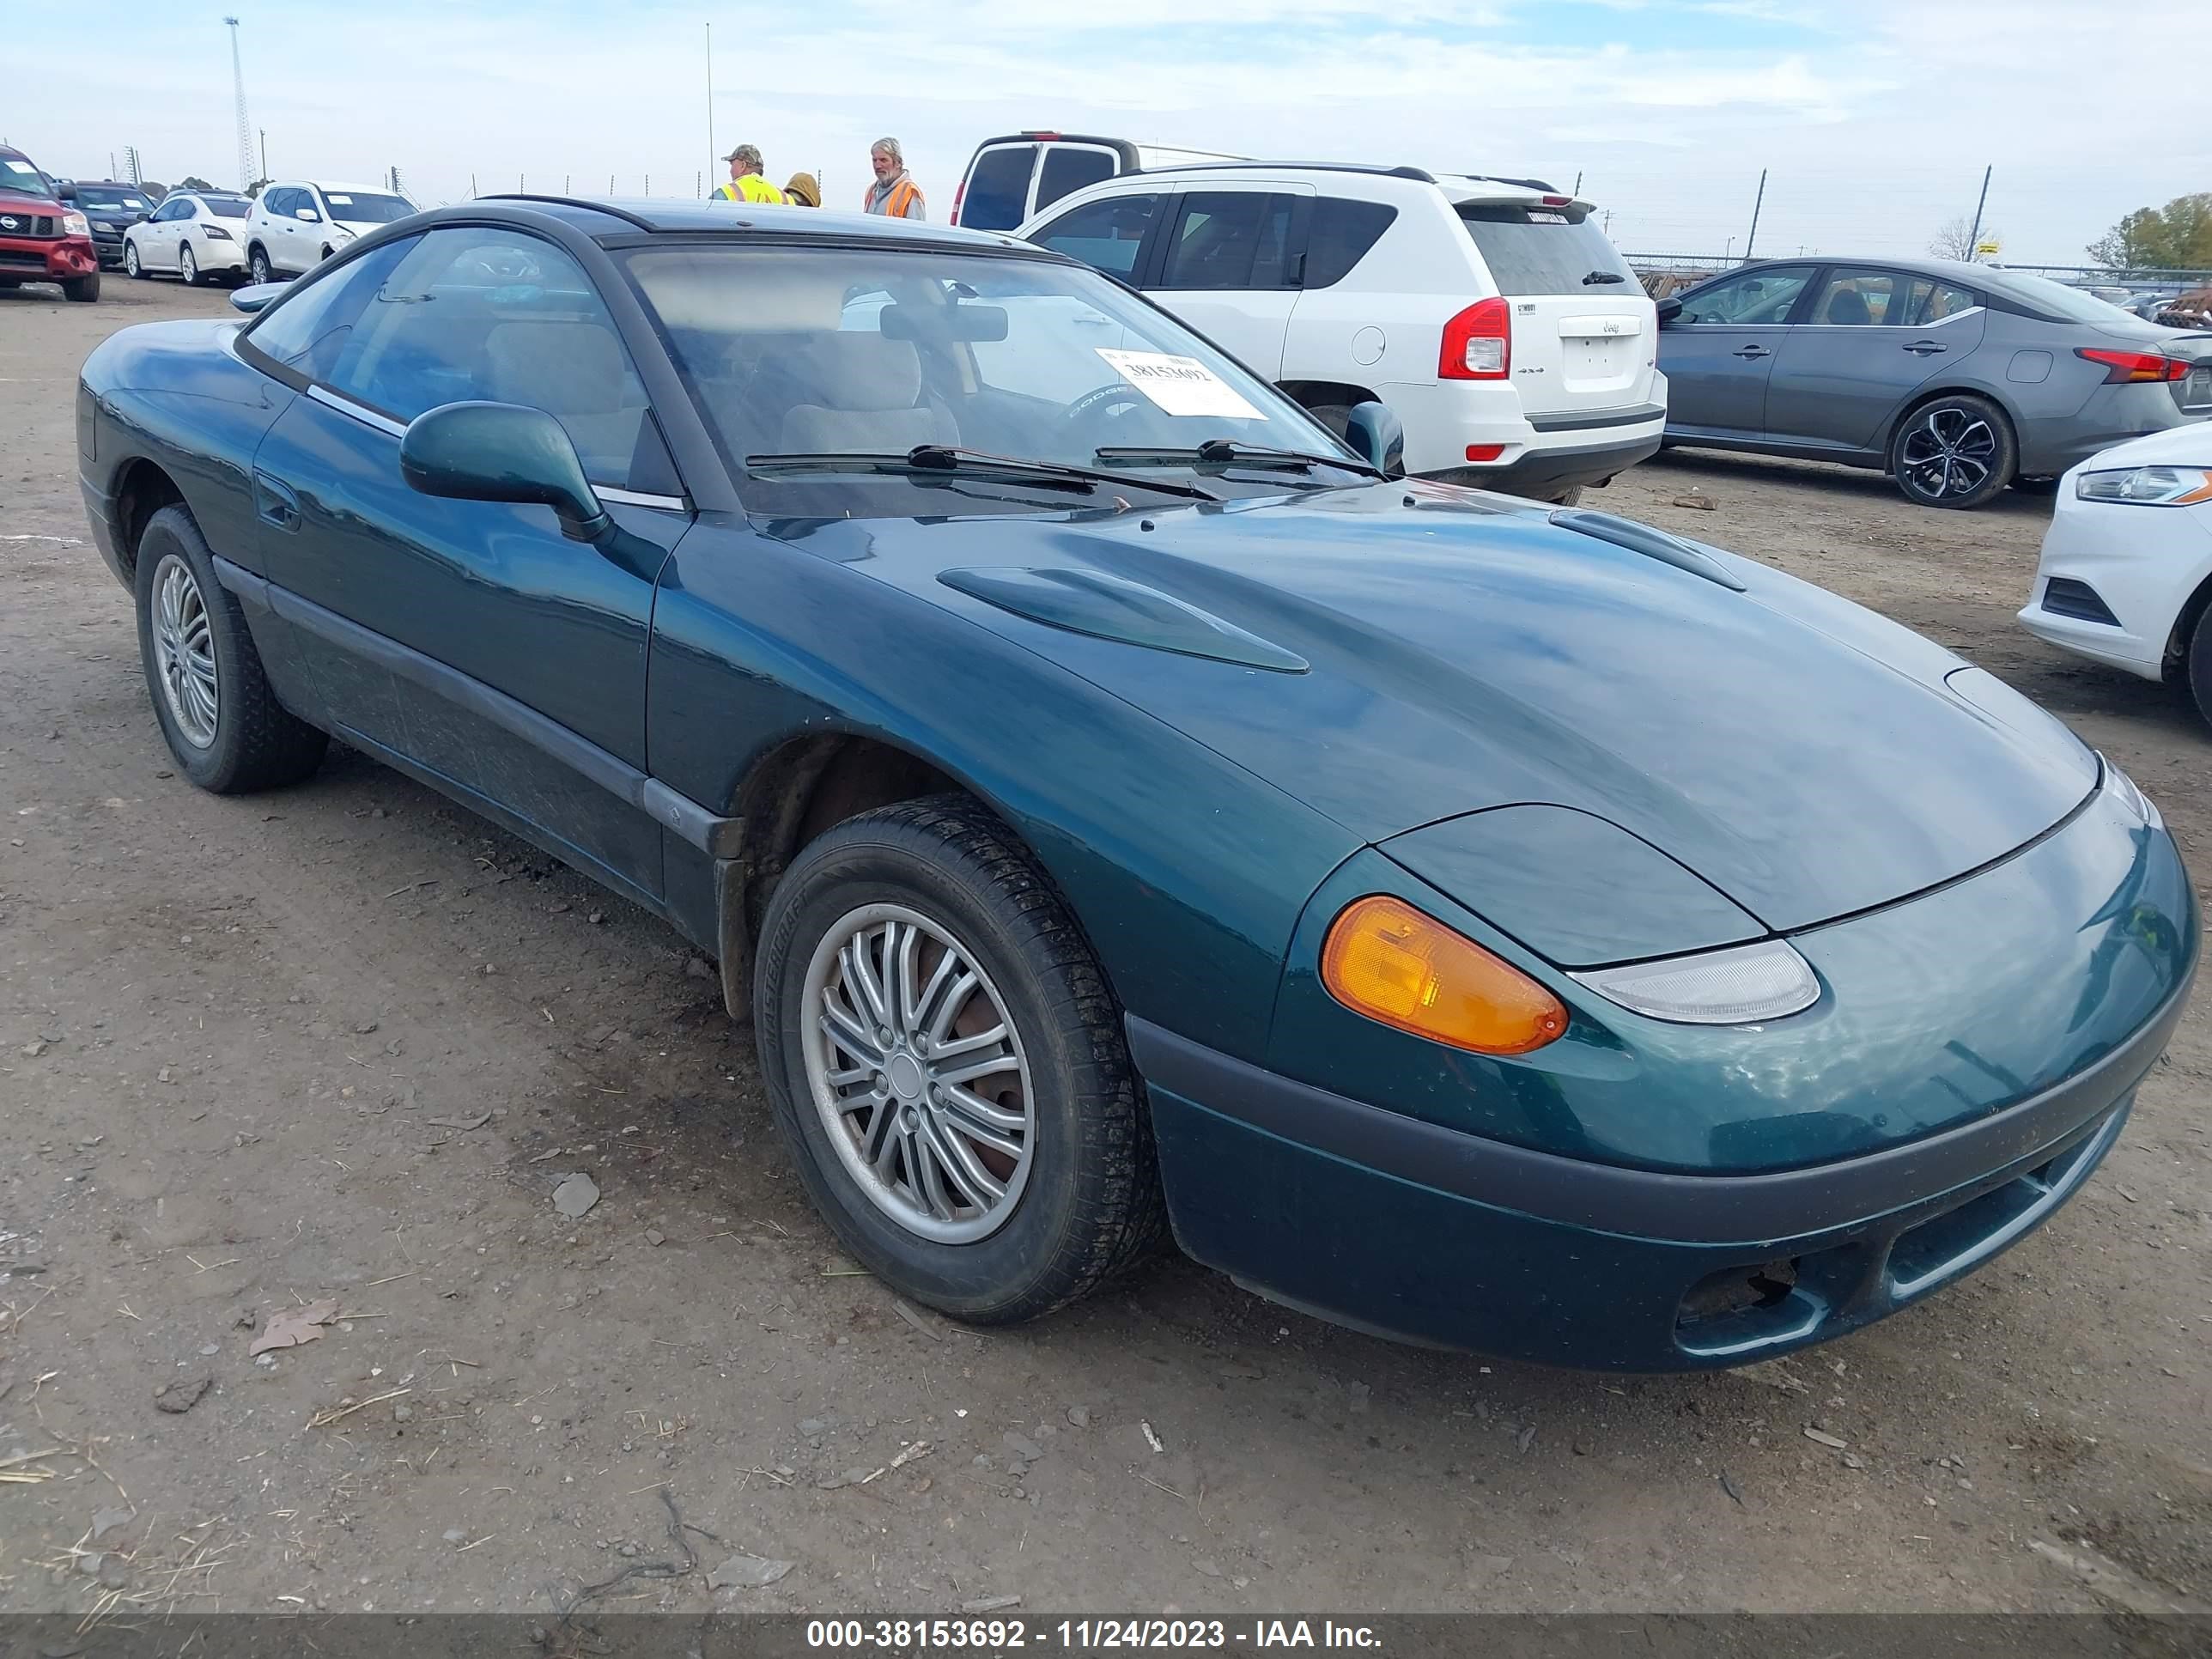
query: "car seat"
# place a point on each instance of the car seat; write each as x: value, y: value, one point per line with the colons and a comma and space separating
x: 861, y: 393
x: 576, y: 373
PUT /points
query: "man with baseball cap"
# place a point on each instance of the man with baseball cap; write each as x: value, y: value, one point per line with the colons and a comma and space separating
x: 746, y: 184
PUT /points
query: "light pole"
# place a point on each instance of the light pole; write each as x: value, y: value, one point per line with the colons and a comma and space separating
x: 1728, y: 252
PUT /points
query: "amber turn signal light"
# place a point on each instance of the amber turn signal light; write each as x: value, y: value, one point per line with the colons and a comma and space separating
x: 1386, y: 960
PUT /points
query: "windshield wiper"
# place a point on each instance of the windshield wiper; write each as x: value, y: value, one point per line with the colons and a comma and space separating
x: 1596, y: 277
x: 947, y: 461
x: 1225, y: 452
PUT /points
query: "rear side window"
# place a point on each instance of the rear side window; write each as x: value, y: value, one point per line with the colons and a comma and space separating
x: 998, y: 188
x: 306, y: 329
x: 1107, y: 234
x: 1068, y: 169
x: 1342, y: 233
x: 1543, y: 250
x: 1232, y: 238
x: 1931, y: 301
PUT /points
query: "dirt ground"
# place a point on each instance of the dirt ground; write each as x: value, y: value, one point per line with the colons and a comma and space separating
x: 247, y: 1051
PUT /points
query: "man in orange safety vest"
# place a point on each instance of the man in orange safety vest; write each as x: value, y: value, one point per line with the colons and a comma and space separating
x: 894, y: 194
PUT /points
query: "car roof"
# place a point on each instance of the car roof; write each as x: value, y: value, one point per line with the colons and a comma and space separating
x: 1373, y: 178
x: 603, y: 216
x: 327, y: 185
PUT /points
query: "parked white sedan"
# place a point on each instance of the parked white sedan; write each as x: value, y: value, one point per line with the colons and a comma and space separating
x: 2126, y: 571
x: 194, y: 234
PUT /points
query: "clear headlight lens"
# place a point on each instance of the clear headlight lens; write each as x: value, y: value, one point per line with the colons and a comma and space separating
x: 1736, y: 987
x: 76, y: 224
x: 2124, y: 790
x: 2147, y: 486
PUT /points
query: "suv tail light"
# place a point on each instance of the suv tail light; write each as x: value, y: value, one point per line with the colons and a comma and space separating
x: 1478, y: 344
x: 958, y: 191
x: 2125, y: 367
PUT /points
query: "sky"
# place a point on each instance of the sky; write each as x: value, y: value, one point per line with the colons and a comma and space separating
x: 1873, y: 119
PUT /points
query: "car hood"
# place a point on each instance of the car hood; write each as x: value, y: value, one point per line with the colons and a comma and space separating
x: 2187, y: 445
x: 1401, y: 654
x: 31, y: 206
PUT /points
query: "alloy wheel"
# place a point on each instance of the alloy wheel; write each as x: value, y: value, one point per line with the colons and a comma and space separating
x: 188, y: 267
x: 259, y: 266
x: 1949, y: 451
x: 184, y: 652
x: 130, y: 259
x: 918, y: 1073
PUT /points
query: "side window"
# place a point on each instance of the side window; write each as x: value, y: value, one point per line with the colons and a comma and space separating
x: 307, y: 329
x: 1342, y: 233
x: 478, y: 313
x: 1068, y: 168
x: 188, y: 209
x: 1756, y: 297
x: 276, y: 202
x: 167, y: 212
x: 1856, y: 298
x: 998, y: 193
x: 1931, y: 301
x: 1107, y: 234
x: 1229, y: 239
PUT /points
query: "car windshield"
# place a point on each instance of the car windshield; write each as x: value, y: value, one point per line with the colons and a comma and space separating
x: 361, y: 208
x: 226, y: 207
x: 109, y: 196
x: 18, y: 177
x: 1545, y: 250
x: 844, y: 351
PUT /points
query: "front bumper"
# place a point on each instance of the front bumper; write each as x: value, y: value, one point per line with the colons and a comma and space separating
x: 2141, y: 564
x: 1404, y: 1229
x: 47, y: 260
x: 108, y: 244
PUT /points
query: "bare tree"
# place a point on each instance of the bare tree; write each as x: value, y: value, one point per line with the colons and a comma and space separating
x: 1956, y: 240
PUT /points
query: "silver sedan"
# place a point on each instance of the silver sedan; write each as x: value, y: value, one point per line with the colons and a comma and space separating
x: 1956, y: 380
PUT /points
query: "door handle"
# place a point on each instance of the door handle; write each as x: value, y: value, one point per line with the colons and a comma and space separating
x: 274, y: 502
x: 1924, y: 348
x: 1749, y: 352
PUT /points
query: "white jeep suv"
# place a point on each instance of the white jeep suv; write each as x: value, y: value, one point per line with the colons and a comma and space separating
x: 1491, y: 314
x: 296, y: 226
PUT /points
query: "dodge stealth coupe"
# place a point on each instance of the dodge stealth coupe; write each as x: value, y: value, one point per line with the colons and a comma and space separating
x: 1126, y: 809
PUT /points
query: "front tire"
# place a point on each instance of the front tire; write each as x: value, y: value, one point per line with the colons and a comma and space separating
x: 946, y: 1062
x: 130, y: 261
x: 218, y: 714
x: 1954, y: 452
x: 82, y: 290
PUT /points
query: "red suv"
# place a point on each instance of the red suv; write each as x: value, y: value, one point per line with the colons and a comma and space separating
x: 42, y: 238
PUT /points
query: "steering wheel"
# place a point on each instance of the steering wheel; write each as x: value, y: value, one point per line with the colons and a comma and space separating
x: 1090, y: 408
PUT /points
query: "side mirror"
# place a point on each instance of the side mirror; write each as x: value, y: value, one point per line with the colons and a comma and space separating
x: 142, y: 219
x: 65, y: 192
x: 476, y: 452
x: 307, y: 215
x: 1379, y: 435
x: 1669, y: 309
x: 256, y: 296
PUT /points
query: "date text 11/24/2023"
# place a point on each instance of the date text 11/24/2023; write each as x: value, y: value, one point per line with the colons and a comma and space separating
x: 1081, y: 1635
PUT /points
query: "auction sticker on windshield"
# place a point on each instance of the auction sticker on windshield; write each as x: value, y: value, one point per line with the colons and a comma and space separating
x: 1181, y: 386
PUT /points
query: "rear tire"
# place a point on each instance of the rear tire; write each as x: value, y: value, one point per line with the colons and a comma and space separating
x: 84, y: 290
x: 187, y: 267
x: 258, y: 266
x: 1953, y: 452
x: 1079, y: 1200
x: 1567, y: 497
x: 238, y: 737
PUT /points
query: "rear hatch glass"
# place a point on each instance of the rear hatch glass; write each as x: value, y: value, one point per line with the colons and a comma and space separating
x: 1531, y: 250
x: 997, y: 196
x: 1581, y: 320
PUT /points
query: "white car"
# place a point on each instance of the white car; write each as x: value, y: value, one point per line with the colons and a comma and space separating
x: 295, y: 227
x: 1017, y: 175
x: 196, y: 234
x: 2126, y: 571
x: 1492, y: 315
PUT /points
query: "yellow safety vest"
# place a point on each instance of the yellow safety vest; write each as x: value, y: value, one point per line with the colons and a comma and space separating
x: 752, y: 187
